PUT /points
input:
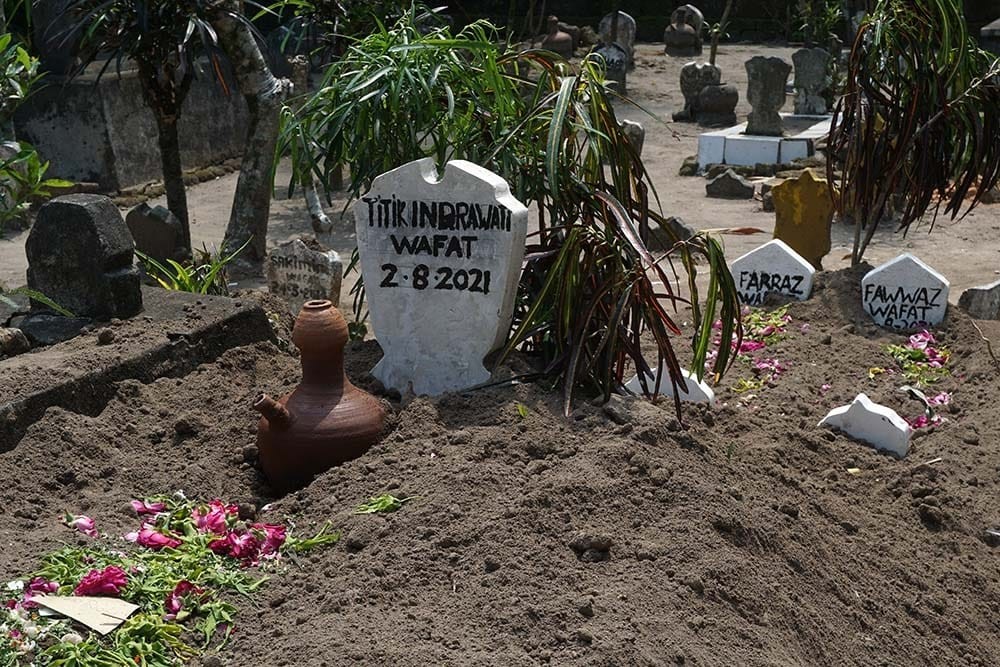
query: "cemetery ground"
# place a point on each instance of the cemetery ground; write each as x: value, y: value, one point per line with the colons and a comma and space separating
x: 749, y: 536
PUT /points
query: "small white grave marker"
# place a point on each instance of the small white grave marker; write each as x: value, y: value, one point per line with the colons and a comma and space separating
x: 697, y: 392
x: 298, y: 273
x: 905, y: 293
x: 875, y: 424
x: 773, y: 268
x: 441, y: 259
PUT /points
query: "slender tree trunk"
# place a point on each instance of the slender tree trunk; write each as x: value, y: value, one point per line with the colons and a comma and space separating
x: 264, y: 94
x: 173, y: 175
x: 165, y: 103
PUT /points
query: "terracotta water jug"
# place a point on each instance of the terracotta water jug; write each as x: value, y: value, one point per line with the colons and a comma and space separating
x: 326, y: 420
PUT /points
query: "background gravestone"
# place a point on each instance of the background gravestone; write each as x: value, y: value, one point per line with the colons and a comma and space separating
x: 615, y: 61
x: 682, y: 36
x: 694, y: 78
x: 155, y: 230
x: 905, y: 293
x: 80, y: 256
x: 812, y: 77
x: 773, y: 268
x: 625, y: 36
x: 441, y: 259
x: 983, y: 302
x: 766, y: 79
x: 300, y: 272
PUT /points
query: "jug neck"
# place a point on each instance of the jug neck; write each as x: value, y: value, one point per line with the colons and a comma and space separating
x: 323, y: 369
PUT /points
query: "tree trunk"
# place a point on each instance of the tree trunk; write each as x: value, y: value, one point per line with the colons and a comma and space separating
x: 173, y: 175
x: 165, y: 103
x: 264, y: 94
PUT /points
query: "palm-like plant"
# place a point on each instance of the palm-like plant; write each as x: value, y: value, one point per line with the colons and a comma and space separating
x: 919, y: 120
x: 590, y: 289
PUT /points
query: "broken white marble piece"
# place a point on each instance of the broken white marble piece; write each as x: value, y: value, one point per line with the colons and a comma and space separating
x: 697, y: 392
x: 875, y: 424
x: 773, y: 268
x: 441, y: 258
x: 905, y: 293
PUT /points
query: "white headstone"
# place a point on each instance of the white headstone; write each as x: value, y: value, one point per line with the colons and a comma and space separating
x: 298, y: 273
x: 875, y: 424
x: 905, y: 293
x: 441, y: 260
x: 773, y: 268
x: 697, y: 392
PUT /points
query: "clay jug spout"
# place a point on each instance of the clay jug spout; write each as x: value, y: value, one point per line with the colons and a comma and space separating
x: 276, y: 414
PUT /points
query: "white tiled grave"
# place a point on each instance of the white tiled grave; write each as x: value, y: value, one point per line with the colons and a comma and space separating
x: 732, y: 146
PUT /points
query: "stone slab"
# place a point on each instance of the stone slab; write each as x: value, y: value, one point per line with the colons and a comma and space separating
x: 905, y: 293
x: 877, y: 425
x: 697, y: 392
x: 441, y: 258
x: 711, y: 149
x: 772, y: 268
x: 177, y: 332
x: 739, y: 148
x: 983, y: 302
x: 298, y: 273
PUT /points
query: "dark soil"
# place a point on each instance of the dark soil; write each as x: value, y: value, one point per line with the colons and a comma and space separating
x: 614, y: 537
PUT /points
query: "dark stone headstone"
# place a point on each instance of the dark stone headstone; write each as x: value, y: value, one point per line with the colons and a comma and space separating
x: 717, y: 105
x: 615, y: 60
x: 695, y: 77
x: 665, y: 236
x: 989, y: 37
x: 48, y: 328
x: 683, y: 36
x: 80, y: 256
x: 155, y: 231
x: 729, y: 185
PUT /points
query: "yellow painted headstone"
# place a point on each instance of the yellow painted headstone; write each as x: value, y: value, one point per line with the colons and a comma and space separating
x: 803, y: 214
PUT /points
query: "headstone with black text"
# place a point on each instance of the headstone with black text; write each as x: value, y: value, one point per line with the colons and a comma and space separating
x: 773, y: 268
x: 441, y: 258
x: 905, y: 293
x: 299, y: 272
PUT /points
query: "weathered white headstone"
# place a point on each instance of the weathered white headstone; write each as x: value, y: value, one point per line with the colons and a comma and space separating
x: 905, y: 293
x: 875, y: 424
x: 697, y: 392
x: 298, y: 273
x: 441, y: 259
x: 622, y: 34
x: 773, y: 268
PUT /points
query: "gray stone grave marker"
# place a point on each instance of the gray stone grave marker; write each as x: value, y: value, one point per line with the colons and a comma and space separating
x: 625, y: 35
x: 616, y: 63
x: 155, y: 229
x: 298, y: 273
x: 811, y: 79
x: 983, y: 302
x: 773, y: 268
x: 766, y: 78
x: 905, y: 293
x: 441, y: 258
x: 80, y: 255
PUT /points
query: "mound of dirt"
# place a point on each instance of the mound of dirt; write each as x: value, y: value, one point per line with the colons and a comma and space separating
x: 614, y: 537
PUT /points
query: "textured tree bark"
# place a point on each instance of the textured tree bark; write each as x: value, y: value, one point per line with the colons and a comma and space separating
x: 165, y: 103
x: 264, y: 94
